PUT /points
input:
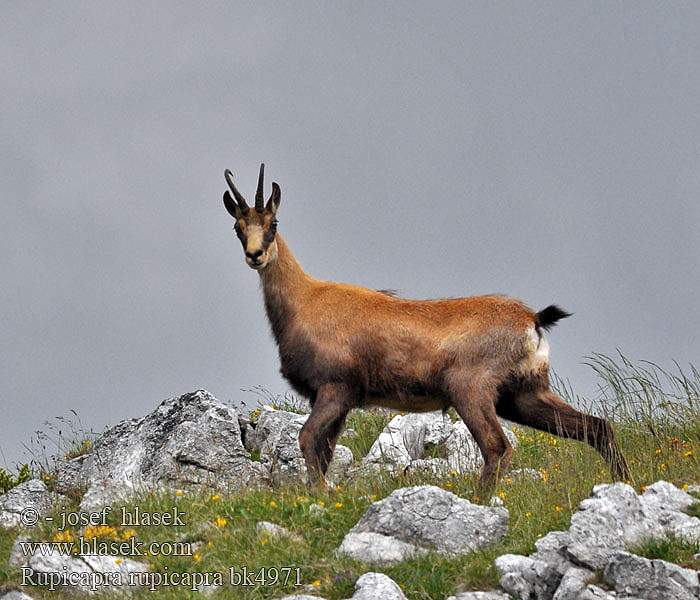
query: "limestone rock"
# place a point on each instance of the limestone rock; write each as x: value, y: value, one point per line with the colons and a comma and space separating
x: 86, y: 573
x: 664, y: 503
x: 527, y: 577
x: 463, y: 454
x: 14, y: 593
x: 432, y: 518
x: 276, y: 438
x: 593, y: 592
x: 437, y: 467
x: 31, y: 495
x: 406, y: 438
x: 268, y: 428
x: 372, y: 586
x: 611, y: 519
x: 633, y: 575
x: 17, y: 556
x: 272, y: 530
x: 376, y: 548
x: 573, y: 583
x: 489, y: 595
x: 192, y: 441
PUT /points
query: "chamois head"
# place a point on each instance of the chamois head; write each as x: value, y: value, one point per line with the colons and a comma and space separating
x: 255, y: 228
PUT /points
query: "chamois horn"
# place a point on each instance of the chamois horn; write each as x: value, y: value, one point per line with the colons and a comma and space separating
x: 259, y: 202
x: 239, y: 197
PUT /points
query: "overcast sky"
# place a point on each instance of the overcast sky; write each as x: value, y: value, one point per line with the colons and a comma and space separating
x: 548, y: 151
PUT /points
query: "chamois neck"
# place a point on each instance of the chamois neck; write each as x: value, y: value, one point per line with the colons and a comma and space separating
x: 284, y: 283
x: 284, y: 272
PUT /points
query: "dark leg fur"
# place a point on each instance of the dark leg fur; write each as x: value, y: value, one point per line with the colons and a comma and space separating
x: 326, y: 446
x: 545, y: 411
x: 318, y: 435
x: 475, y: 405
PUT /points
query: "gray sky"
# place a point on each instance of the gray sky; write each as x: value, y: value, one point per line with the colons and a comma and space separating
x: 548, y: 151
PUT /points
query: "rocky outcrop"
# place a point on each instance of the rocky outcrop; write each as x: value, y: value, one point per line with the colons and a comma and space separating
x: 377, y: 548
x: 25, y: 504
x: 406, y: 439
x: 490, y: 595
x: 632, y: 575
x: 612, y: 519
x: 429, y: 518
x: 192, y: 442
x: 276, y: 439
x: 370, y: 586
x: 14, y: 593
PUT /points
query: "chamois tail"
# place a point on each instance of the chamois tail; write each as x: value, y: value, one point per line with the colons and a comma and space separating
x: 548, y: 317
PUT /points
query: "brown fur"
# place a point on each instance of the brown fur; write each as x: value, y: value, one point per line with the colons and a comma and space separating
x: 344, y: 346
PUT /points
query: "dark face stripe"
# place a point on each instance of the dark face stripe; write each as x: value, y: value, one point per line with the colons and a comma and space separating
x: 268, y: 237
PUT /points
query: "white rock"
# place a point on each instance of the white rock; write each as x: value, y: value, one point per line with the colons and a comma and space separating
x: 593, y: 592
x: 14, y: 594
x: 437, y: 467
x: 85, y: 573
x: 17, y: 556
x: 190, y: 442
x: 432, y: 518
x: 573, y: 583
x: 463, y: 454
x: 277, y: 437
x: 376, y: 548
x: 664, y: 503
x: 272, y: 530
x: 373, y: 586
x: 527, y: 577
x: 489, y: 595
x: 611, y: 519
x: 389, y: 450
x: 317, y: 509
x: 633, y: 575
x: 31, y: 495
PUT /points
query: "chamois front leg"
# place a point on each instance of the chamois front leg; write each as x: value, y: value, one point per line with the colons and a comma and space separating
x: 318, y: 436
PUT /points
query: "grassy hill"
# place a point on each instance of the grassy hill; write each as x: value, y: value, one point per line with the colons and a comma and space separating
x: 657, y: 416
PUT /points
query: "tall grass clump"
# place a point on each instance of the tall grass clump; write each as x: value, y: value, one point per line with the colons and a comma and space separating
x: 656, y: 412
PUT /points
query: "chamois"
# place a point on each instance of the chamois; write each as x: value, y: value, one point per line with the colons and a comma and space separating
x: 344, y: 346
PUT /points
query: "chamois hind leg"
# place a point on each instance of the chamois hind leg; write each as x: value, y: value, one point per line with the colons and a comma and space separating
x: 318, y: 435
x: 474, y: 399
x: 544, y: 410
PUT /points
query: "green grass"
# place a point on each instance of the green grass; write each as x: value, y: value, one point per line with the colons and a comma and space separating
x: 658, y: 428
x: 671, y: 549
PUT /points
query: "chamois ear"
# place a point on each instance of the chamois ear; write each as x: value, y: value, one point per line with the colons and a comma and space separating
x: 233, y: 208
x: 274, y: 202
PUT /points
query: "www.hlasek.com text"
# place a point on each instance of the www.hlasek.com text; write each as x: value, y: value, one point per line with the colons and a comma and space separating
x: 130, y: 547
